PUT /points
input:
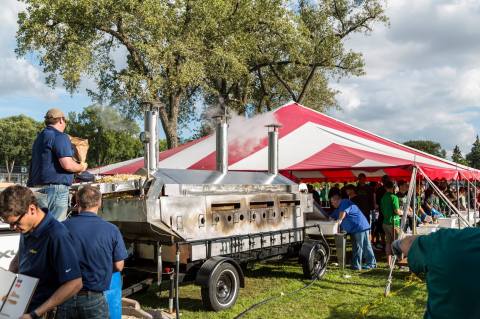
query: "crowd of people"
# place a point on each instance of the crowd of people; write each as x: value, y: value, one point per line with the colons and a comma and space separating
x: 381, y: 205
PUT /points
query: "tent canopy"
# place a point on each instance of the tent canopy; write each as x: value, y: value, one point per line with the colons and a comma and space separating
x: 312, y: 147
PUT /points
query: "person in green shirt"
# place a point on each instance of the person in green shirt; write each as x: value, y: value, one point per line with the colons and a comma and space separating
x: 390, y: 207
x: 449, y: 259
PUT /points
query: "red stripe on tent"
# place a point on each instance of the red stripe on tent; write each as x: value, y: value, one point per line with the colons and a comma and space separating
x: 337, y: 156
x: 296, y: 109
x: 135, y: 166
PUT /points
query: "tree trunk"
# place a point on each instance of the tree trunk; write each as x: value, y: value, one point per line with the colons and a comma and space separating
x: 169, y: 120
x: 9, y: 167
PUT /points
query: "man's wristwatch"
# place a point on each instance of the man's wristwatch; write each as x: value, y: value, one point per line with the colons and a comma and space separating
x: 34, y: 315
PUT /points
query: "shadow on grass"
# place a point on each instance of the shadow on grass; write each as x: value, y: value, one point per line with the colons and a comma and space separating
x: 150, y: 299
x: 380, y: 273
x: 339, y: 312
x: 273, y: 272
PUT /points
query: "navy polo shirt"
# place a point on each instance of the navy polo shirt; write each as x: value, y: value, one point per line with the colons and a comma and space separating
x: 47, y: 253
x: 49, y: 146
x: 354, y: 221
x: 98, y: 244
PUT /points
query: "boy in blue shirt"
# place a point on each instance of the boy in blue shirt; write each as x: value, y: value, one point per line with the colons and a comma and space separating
x: 354, y: 223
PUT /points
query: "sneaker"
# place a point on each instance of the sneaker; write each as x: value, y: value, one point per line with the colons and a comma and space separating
x: 368, y: 267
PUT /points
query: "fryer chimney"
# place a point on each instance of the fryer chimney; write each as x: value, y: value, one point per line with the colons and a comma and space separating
x: 221, y: 145
x: 273, y: 148
x: 150, y: 138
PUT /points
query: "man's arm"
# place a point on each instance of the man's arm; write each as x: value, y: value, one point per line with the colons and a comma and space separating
x: 14, y: 265
x: 71, y: 166
x: 118, y: 265
x: 63, y: 293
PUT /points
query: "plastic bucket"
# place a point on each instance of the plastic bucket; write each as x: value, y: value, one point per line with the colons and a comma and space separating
x: 114, y: 296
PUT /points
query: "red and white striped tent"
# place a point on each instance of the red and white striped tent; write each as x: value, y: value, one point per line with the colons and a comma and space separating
x: 312, y: 147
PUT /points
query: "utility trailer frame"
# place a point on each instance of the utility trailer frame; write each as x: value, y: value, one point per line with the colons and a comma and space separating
x: 220, y: 277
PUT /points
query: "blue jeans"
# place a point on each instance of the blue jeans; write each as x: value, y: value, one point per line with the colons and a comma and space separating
x: 89, y: 306
x: 57, y: 200
x: 362, y: 250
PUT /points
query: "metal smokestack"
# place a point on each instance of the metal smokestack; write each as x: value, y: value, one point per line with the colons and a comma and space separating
x: 150, y: 139
x: 221, y: 145
x: 273, y: 148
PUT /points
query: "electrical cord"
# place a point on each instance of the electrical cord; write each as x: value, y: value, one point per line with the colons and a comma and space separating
x: 254, y: 306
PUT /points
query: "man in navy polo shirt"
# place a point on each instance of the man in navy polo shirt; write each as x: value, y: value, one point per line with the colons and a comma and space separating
x: 100, y: 249
x: 353, y: 221
x: 46, y: 250
x: 52, y: 164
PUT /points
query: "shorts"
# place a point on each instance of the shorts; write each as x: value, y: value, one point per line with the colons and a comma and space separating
x: 391, y: 233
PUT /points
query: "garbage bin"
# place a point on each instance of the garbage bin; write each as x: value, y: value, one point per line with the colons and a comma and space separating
x: 340, y: 245
x: 114, y: 296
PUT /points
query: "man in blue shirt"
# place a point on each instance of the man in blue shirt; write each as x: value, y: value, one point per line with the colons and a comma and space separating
x: 52, y: 165
x: 46, y: 250
x: 354, y: 223
x: 100, y: 249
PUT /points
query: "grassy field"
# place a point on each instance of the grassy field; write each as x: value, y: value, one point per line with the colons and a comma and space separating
x: 340, y: 294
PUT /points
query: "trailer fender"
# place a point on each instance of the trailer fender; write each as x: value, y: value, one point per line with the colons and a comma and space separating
x: 208, y: 267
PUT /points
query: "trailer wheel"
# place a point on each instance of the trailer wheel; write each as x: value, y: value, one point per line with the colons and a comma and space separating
x: 314, y: 257
x: 222, y: 289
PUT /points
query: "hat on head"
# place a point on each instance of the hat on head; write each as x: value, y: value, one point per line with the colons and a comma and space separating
x: 302, y: 187
x: 54, y: 113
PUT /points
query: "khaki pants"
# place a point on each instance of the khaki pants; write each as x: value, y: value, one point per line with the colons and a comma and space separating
x: 391, y: 234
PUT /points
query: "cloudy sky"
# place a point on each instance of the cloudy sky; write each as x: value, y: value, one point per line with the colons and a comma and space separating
x: 422, y: 81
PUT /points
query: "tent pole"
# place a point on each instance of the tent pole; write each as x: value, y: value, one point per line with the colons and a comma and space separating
x: 414, y: 223
x: 475, y: 206
x: 475, y: 202
x: 458, y: 189
x: 468, y: 200
x: 442, y: 195
x: 411, y: 192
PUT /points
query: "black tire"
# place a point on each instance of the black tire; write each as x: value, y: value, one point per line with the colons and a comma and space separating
x: 315, y: 259
x: 222, y: 289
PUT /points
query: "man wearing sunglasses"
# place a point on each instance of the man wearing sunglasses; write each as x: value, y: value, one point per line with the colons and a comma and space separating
x: 46, y: 250
x: 52, y: 165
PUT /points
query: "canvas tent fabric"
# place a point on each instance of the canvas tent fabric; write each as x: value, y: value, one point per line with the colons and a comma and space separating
x: 312, y: 147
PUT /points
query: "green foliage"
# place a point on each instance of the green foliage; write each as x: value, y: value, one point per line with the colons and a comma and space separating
x: 473, y: 157
x: 111, y: 136
x: 457, y: 156
x: 426, y: 146
x: 251, y: 54
x: 17, y: 134
x: 162, y: 145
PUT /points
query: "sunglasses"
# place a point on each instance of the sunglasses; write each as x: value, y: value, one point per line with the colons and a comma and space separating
x: 15, y: 223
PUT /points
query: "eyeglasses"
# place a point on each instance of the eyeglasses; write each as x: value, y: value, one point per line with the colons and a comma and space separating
x: 15, y: 223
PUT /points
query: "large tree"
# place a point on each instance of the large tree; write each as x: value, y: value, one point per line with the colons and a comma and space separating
x: 112, y: 137
x: 427, y: 146
x: 17, y: 134
x: 246, y: 54
x: 473, y: 157
x: 286, y: 52
x: 457, y: 156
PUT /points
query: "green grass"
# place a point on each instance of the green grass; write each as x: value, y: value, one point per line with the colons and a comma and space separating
x: 334, y: 296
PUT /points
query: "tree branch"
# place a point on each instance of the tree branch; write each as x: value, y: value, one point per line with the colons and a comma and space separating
x: 287, y: 87
x: 120, y: 36
x: 307, y: 83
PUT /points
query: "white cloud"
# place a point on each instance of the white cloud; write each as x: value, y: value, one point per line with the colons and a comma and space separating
x: 423, y: 74
x: 19, y: 77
